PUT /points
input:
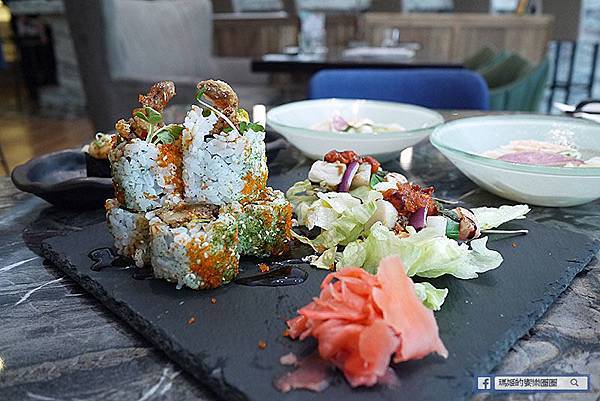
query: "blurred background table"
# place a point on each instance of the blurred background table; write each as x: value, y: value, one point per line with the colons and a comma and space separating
x: 311, y: 63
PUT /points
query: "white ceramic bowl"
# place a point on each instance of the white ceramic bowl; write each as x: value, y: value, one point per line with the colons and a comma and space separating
x: 294, y: 122
x: 463, y: 142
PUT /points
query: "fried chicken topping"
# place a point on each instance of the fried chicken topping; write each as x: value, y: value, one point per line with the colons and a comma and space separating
x: 159, y: 95
x: 157, y: 98
x: 349, y: 156
x: 408, y: 197
x: 223, y: 98
x: 181, y: 214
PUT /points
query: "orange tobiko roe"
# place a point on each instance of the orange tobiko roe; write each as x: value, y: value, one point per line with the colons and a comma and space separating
x: 361, y: 320
x: 254, y: 184
x: 208, y: 264
x: 170, y: 154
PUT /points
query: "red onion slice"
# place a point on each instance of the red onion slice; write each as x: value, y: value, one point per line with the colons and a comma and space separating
x: 351, y: 170
x: 418, y: 219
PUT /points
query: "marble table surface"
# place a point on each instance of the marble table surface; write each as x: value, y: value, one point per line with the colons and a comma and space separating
x: 59, y: 343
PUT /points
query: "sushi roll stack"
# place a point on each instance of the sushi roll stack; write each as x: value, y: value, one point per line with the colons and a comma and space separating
x: 224, y: 159
x: 194, y: 245
x: 265, y: 225
x: 130, y: 231
x: 192, y: 198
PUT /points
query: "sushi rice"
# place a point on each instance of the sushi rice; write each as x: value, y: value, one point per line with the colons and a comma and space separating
x: 221, y: 168
x: 194, y: 249
x: 145, y: 175
x: 130, y: 231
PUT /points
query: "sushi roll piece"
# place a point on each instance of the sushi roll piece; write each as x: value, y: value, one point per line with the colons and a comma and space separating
x: 224, y: 158
x: 146, y: 159
x: 130, y: 231
x: 146, y: 175
x: 265, y: 224
x: 194, y: 245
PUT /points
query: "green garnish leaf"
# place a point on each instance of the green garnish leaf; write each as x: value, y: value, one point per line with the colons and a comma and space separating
x: 141, y: 116
x: 200, y: 94
x: 227, y: 129
x: 174, y: 129
x: 244, y: 126
x: 256, y: 127
x: 452, y: 229
x: 206, y: 112
x: 164, y: 137
x: 154, y: 117
x: 167, y: 134
x: 376, y: 179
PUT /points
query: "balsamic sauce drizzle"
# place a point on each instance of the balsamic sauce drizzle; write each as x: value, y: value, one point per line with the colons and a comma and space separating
x: 106, y: 258
x: 281, y: 274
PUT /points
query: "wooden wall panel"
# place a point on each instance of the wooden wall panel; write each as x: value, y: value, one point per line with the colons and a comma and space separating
x: 444, y: 37
x: 452, y: 37
x: 253, y: 34
x: 341, y: 29
x: 470, y: 39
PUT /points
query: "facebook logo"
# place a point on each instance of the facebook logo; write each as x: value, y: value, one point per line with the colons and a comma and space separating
x: 484, y: 383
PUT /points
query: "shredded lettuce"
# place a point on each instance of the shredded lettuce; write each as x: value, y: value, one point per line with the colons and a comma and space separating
x: 301, y: 192
x: 354, y: 254
x: 425, y: 254
x: 327, y: 260
x: 363, y: 193
x: 345, y: 228
x: 432, y: 297
x: 491, y: 217
x: 344, y: 220
x: 338, y: 201
x: 301, y: 195
x: 378, y: 243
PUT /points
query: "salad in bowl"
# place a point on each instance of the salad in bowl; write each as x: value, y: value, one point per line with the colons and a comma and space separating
x: 379, y: 129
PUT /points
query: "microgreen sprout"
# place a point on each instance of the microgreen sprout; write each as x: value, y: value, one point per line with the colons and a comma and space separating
x: 242, y: 114
x: 199, y: 99
x: 156, y: 134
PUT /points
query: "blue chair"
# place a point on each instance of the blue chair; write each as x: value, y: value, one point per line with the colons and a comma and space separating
x: 457, y: 89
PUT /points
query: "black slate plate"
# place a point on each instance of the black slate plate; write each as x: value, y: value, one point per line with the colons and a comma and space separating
x: 480, y: 320
x: 61, y: 179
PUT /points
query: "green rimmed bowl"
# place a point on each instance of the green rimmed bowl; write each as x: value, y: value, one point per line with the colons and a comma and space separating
x: 464, y: 141
x: 294, y: 121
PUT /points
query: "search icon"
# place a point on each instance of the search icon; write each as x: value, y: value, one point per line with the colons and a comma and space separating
x: 574, y: 382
